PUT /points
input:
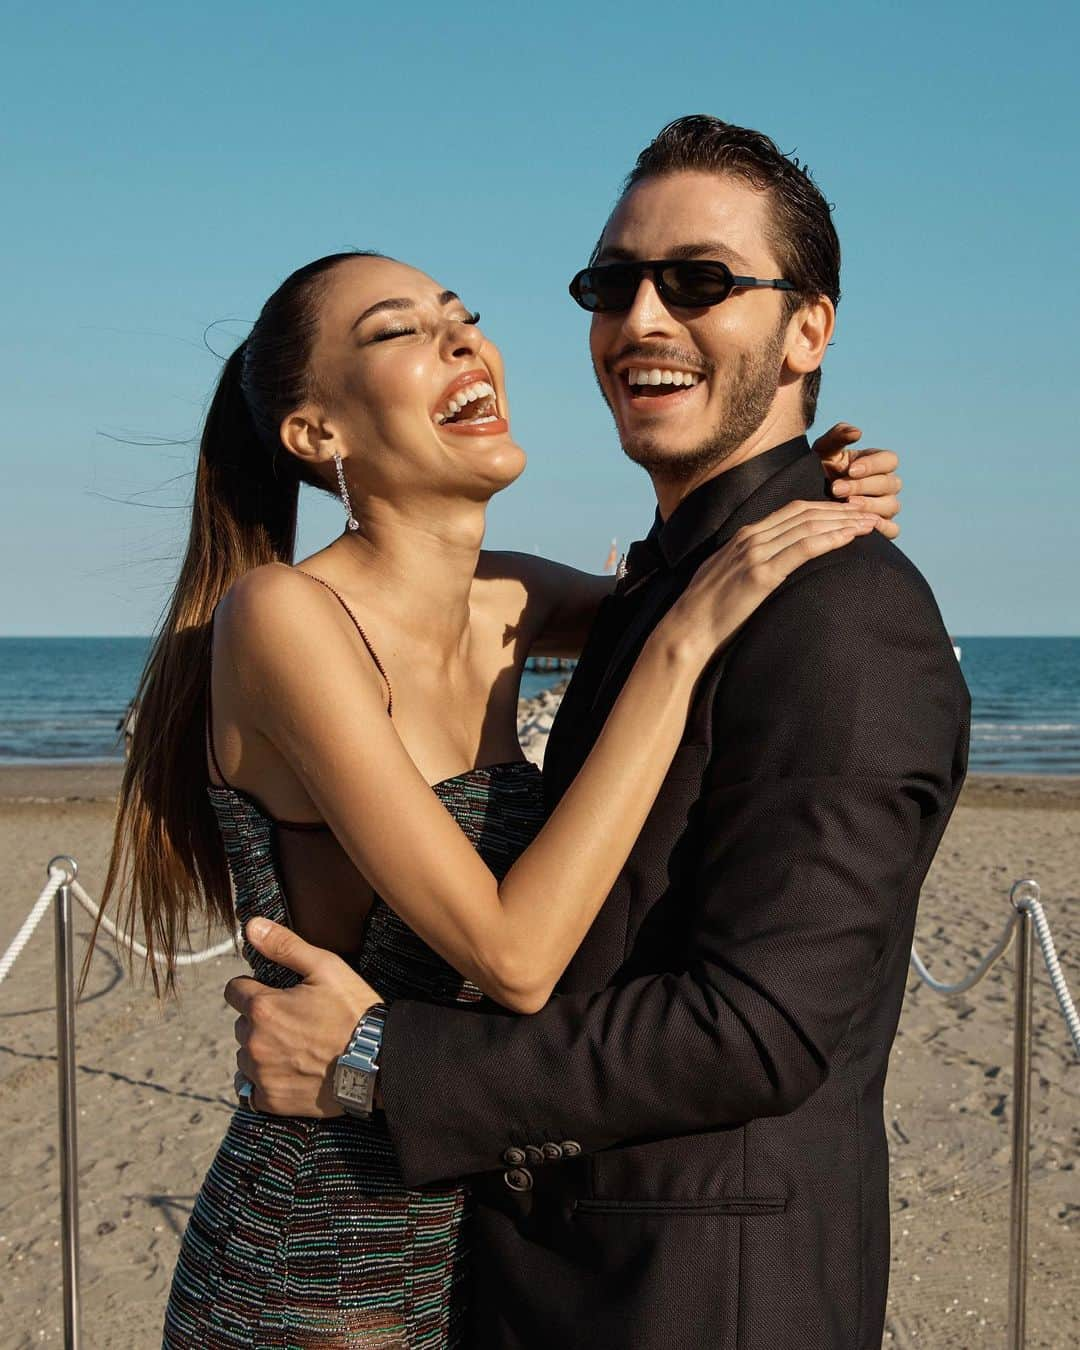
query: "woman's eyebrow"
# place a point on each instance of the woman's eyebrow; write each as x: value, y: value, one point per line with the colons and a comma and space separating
x: 399, y: 303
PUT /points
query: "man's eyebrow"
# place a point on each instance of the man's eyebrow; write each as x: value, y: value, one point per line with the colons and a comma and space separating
x: 398, y: 303
x: 705, y: 249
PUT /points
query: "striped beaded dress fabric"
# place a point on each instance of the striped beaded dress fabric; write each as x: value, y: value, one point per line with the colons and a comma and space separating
x: 303, y: 1233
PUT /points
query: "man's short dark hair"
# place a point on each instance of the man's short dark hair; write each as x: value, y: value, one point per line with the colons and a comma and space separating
x: 802, y: 232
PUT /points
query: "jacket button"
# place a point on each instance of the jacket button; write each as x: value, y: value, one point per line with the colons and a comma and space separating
x: 552, y: 1152
x: 571, y: 1148
x: 533, y: 1156
x: 518, y: 1179
x: 514, y: 1157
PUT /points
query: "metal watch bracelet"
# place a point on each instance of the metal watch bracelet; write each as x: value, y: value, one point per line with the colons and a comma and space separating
x: 357, y: 1069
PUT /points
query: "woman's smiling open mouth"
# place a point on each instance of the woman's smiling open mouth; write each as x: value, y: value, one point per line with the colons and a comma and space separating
x: 469, y: 405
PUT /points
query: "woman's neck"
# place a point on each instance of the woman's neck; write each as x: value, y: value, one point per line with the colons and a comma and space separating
x: 415, y: 569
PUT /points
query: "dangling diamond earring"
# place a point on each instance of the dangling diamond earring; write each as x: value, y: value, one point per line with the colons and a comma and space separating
x: 353, y: 523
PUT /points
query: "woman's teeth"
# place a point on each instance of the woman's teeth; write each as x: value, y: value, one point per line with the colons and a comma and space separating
x: 677, y: 377
x: 470, y: 394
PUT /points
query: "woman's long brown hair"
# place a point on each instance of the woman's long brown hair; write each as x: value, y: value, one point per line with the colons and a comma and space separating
x: 167, y: 861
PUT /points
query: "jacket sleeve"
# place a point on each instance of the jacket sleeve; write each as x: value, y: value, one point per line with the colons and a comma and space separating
x: 840, y: 726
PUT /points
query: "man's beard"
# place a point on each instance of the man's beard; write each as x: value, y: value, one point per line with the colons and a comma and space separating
x: 751, y: 383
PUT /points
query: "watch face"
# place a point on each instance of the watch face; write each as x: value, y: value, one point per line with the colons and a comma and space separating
x: 353, y: 1087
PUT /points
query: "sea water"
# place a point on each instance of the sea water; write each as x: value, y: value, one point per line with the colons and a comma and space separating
x: 62, y: 698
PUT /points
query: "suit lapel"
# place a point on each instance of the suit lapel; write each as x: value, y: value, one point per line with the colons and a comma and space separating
x: 801, y: 477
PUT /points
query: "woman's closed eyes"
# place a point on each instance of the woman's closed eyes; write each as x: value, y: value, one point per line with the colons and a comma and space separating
x: 387, y: 334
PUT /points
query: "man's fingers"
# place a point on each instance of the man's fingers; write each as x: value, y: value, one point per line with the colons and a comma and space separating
x: 832, y: 448
x: 246, y: 1066
x: 240, y: 991
x: 877, y: 485
x: 241, y: 1030
x: 871, y: 462
x: 285, y: 948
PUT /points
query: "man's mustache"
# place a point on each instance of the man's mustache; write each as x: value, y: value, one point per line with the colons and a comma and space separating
x: 676, y: 356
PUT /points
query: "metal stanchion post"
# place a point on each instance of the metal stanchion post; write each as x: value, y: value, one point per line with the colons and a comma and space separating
x: 1021, y: 1122
x: 65, y: 1059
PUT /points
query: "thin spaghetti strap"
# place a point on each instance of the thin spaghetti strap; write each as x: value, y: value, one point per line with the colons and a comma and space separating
x: 367, y: 641
x: 210, y: 707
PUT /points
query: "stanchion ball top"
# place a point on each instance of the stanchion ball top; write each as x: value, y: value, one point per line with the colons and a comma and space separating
x: 1023, y: 892
x: 64, y: 862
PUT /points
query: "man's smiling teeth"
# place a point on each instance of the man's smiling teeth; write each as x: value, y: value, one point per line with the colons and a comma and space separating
x: 682, y: 377
x: 463, y: 397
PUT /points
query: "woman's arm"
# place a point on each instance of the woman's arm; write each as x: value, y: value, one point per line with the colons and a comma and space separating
x: 513, y: 939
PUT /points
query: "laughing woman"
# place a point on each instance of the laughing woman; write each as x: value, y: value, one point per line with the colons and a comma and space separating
x: 332, y: 744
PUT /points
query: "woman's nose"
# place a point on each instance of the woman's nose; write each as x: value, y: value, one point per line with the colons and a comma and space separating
x: 463, y: 339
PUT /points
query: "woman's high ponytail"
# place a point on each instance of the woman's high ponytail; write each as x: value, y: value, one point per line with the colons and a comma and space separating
x: 167, y: 860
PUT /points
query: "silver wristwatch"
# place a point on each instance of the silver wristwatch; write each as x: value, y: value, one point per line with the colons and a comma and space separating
x: 357, y: 1069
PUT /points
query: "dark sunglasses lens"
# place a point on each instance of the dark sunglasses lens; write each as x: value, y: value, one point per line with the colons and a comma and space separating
x: 610, y: 287
x: 695, y: 284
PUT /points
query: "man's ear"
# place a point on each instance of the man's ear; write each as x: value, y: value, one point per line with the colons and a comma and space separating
x: 810, y: 331
x: 306, y: 434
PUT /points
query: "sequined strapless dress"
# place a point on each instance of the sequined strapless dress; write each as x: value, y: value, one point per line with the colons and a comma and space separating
x: 303, y: 1233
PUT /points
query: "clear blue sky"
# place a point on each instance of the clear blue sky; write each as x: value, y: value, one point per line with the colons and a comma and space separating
x: 167, y: 166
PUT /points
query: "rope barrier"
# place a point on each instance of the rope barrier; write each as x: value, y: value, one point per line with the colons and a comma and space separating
x: 1053, y: 968
x: 230, y: 945
x: 37, y: 913
x: 969, y: 981
x: 1025, y: 899
x: 58, y: 877
x: 1027, y: 914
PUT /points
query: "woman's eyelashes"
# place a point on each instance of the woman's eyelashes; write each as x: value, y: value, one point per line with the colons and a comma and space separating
x: 387, y: 334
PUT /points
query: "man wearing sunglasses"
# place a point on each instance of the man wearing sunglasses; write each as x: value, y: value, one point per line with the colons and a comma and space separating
x: 685, y: 1149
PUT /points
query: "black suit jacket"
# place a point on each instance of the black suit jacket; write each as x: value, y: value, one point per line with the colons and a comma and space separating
x: 710, y: 1071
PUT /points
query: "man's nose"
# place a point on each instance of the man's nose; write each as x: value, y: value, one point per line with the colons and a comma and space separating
x: 647, y: 315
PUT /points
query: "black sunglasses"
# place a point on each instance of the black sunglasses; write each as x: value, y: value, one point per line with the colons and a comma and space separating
x: 689, y: 283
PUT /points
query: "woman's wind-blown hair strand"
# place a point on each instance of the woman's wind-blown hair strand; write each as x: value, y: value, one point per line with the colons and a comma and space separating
x: 167, y: 861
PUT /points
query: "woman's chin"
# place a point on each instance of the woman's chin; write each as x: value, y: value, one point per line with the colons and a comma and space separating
x: 493, y: 462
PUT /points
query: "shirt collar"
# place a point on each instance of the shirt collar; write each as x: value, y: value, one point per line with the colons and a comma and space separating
x: 708, y: 508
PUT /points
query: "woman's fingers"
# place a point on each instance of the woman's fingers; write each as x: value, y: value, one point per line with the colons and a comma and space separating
x: 804, y: 531
x: 813, y: 545
x: 823, y: 515
x: 787, y: 513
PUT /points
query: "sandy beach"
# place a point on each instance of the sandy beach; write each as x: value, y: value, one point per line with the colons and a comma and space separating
x: 154, y: 1084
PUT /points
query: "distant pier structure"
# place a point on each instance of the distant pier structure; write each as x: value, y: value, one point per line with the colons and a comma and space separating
x: 545, y: 665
